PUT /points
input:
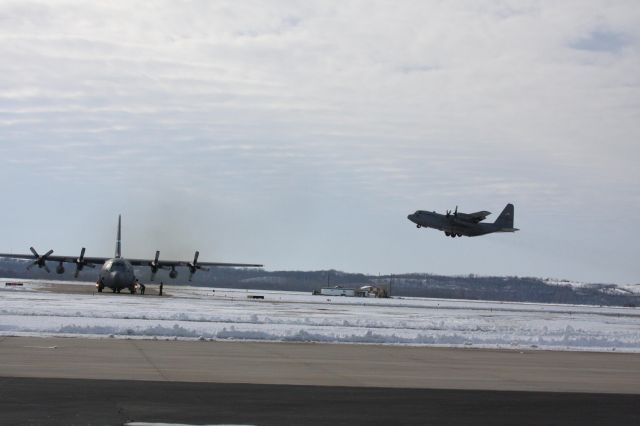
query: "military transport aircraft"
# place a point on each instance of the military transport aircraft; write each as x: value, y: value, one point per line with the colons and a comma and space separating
x: 117, y: 273
x: 455, y: 224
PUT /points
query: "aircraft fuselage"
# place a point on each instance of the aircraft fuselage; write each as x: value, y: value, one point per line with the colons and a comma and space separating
x: 459, y: 224
x: 443, y: 223
x: 117, y: 274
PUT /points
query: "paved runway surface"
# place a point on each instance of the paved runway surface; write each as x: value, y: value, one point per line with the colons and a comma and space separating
x: 110, y: 381
x: 319, y: 364
x: 109, y: 402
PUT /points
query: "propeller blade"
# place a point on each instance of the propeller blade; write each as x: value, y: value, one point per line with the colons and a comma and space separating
x: 81, y: 258
x: 35, y: 253
x: 190, y: 274
x: 46, y: 268
x: 29, y: 266
x: 47, y: 254
x: 75, y: 275
x: 195, y: 258
x: 154, y: 265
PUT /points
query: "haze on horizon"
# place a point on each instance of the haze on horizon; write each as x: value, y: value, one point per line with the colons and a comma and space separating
x: 300, y: 134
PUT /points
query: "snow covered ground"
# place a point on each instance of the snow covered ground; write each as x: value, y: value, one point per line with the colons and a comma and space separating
x: 624, y: 289
x: 206, y: 313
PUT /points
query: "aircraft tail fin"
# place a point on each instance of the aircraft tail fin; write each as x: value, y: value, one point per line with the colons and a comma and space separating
x: 505, y: 220
x: 118, y: 240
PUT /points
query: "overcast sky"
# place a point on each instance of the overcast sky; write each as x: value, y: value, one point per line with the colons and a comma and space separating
x: 300, y: 134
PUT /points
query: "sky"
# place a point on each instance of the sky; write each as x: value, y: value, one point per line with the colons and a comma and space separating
x: 300, y: 134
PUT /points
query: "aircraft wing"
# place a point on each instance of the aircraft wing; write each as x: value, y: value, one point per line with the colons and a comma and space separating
x: 474, y: 217
x: 136, y: 262
x: 56, y: 258
x: 174, y: 263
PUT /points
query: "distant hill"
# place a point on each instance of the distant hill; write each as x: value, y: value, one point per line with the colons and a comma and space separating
x: 472, y: 287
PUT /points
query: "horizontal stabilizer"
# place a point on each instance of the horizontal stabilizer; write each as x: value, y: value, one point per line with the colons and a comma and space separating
x: 509, y: 229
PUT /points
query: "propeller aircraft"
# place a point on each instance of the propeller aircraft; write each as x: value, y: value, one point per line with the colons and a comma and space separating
x: 456, y: 224
x: 117, y: 273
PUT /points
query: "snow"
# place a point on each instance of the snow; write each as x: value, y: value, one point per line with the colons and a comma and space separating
x: 225, y: 314
x: 624, y: 289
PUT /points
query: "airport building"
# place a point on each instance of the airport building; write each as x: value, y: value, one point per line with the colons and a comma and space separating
x: 364, y: 291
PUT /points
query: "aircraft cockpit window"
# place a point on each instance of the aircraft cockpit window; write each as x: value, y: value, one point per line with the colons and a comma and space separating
x: 117, y: 266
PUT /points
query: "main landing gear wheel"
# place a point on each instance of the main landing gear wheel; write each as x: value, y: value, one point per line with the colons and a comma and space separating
x: 418, y: 226
x: 448, y: 234
x: 100, y: 289
x: 113, y: 290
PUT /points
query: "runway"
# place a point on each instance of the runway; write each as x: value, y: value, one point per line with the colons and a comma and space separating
x: 319, y: 364
x: 116, y: 402
x: 296, y: 383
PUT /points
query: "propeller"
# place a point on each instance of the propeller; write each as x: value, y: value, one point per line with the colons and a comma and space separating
x: 455, y: 213
x: 155, y: 265
x: 193, y: 267
x: 40, y: 260
x: 81, y: 263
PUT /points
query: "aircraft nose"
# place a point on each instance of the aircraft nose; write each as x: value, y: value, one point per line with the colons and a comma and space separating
x: 117, y: 278
x: 410, y: 217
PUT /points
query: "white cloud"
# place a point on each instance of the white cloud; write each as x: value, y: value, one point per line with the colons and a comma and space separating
x: 409, y: 104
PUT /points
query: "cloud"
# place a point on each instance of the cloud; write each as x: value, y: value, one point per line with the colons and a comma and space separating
x: 295, y: 106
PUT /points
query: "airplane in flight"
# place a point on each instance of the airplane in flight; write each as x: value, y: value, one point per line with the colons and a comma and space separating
x: 117, y: 273
x: 456, y: 224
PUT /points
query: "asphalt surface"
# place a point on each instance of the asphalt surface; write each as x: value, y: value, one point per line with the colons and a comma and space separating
x: 29, y: 401
x: 320, y: 364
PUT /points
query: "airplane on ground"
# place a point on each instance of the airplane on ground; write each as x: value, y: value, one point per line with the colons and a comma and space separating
x: 456, y: 224
x: 117, y: 273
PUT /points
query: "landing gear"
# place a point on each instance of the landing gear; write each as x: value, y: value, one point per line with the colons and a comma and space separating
x: 100, y: 287
x: 132, y: 290
x: 459, y: 235
x: 448, y: 234
x: 418, y: 226
x: 113, y: 290
x: 118, y: 291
